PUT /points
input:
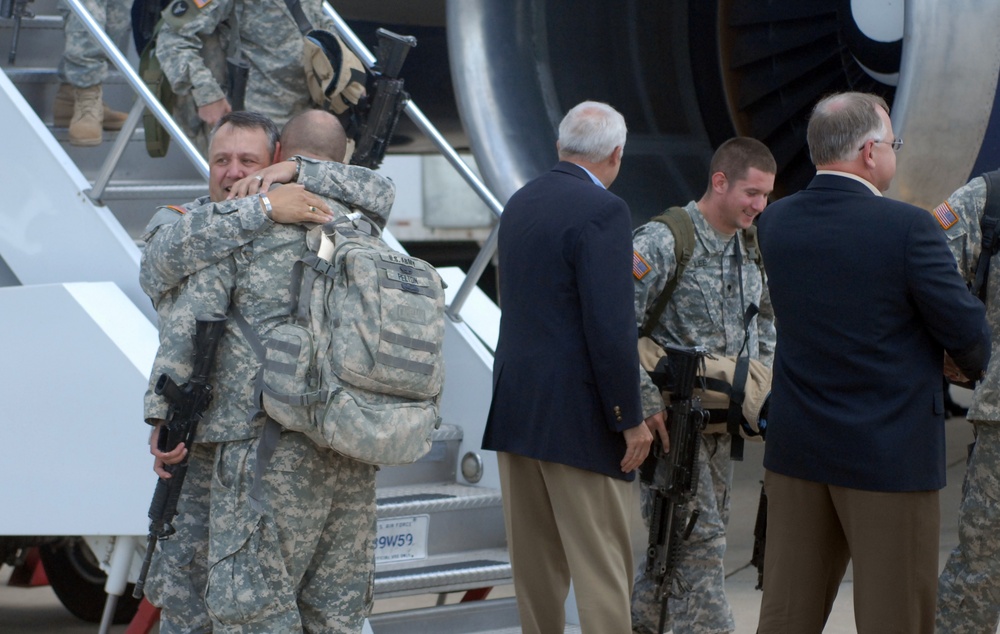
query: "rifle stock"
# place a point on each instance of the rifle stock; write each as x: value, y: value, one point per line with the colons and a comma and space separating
x: 188, y: 403
x: 674, y: 475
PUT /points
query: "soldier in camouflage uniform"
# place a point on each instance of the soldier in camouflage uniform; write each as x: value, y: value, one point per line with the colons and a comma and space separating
x: 706, y: 309
x: 79, y: 104
x: 305, y: 559
x: 969, y: 587
x: 266, y: 34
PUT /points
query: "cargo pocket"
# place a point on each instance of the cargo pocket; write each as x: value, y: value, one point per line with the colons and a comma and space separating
x: 171, y: 573
x: 247, y: 580
x: 249, y: 583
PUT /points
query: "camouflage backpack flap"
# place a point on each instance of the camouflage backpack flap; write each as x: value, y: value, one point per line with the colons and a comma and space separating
x: 388, y: 328
x: 358, y: 367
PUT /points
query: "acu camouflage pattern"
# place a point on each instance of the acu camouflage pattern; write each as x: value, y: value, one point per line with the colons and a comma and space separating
x: 268, y: 37
x: 178, y: 245
x: 179, y: 571
x: 707, y: 306
x: 185, y: 111
x: 320, y: 545
x: 965, y: 240
x: 255, y: 257
x: 706, y: 309
x: 360, y: 368
x: 84, y: 63
x: 306, y: 562
x: 969, y: 586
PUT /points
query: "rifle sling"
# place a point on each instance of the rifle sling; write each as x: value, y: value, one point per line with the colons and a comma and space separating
x: 295, y: 8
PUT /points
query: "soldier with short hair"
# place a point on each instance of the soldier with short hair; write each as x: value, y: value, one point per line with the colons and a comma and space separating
x: 707, y: 308
x: 303, y: 559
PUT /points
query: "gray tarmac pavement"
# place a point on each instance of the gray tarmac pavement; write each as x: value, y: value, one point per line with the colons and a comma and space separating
x: 36, y: 610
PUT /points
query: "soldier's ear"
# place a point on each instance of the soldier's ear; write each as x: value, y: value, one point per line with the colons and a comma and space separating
x: 277, y: 152
x: 719, y: 182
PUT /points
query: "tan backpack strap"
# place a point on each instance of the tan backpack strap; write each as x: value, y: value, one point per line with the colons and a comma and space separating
x: 680, y: 224
x: 750, y: 242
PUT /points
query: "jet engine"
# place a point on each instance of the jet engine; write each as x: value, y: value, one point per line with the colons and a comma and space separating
x: 688, y: 75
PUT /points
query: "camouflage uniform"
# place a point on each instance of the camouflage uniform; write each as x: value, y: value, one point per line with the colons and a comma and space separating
x: 969, y: 586
x: 83, y: 63
x: 305, y: 560
x: 269, y: 39
x: 706, y: 309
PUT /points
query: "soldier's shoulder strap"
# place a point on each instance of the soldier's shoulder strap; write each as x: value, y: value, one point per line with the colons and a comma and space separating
x: 990, y: 226
x: 681, y: 225
x: 750, y: 242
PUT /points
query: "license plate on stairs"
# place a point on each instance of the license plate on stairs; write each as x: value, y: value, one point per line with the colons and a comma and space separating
x: 401, y: 539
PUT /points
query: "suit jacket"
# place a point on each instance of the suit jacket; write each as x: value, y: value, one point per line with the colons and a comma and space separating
x: 566, y: 370
x: 867, y: 299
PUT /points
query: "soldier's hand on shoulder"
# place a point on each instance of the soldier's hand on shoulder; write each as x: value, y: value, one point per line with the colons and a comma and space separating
x: 293, y: 204
x: 260, y: 182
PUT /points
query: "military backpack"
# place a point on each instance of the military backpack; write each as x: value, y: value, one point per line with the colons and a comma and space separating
x: 358, y: 365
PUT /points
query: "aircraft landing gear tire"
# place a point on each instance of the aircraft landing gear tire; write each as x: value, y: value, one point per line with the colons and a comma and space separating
x: 78, y: 581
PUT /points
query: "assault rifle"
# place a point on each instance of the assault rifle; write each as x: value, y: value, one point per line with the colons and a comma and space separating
x: 673, y: 476
x: 373, y: 121
x: 188, y: 403
x: 14, y: 10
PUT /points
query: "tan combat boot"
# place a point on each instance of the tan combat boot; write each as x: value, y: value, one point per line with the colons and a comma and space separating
x: 62, y: 110
x: 88, y: 115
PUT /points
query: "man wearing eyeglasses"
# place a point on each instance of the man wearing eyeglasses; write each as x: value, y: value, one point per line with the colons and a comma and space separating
x: 867, y: 301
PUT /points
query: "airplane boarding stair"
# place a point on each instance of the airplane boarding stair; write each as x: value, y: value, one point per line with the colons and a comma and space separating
x: 69, y: 264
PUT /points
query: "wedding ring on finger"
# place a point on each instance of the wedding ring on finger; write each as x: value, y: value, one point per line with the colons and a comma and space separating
x: 312, y: 209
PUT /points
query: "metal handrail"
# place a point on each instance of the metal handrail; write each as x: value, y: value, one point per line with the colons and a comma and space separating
x: 139, y: 86
x: 417, y: 116
x: 368, y: 59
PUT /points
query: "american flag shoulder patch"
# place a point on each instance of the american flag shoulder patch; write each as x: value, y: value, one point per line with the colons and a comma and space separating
x: 639, y: 266
x: 945, y: 215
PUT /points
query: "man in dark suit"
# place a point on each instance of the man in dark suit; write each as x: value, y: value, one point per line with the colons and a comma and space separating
x: 867, y: 300
x: 566, y: 417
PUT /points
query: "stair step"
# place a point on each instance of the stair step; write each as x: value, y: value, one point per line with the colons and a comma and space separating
x: 491, y: 616
x: 126, y: 190
x: 434, y: 498
x: 440, y: 536
x: 474, y: 617
x: 443, y: 573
